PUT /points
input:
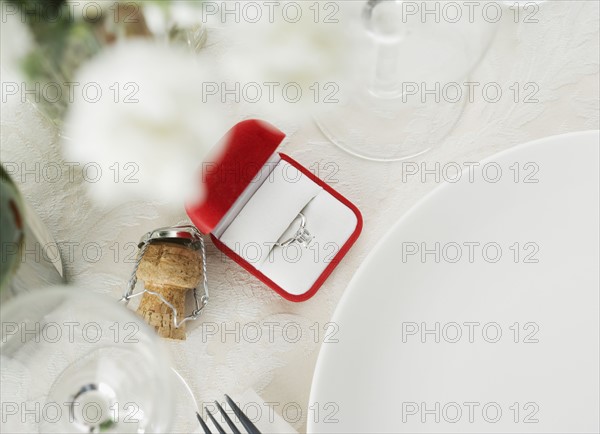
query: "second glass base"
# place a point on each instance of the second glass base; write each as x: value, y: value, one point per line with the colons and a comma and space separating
x: 395, y: 129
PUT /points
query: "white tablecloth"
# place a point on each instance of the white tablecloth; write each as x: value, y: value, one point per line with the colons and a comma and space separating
x: 560, y: 54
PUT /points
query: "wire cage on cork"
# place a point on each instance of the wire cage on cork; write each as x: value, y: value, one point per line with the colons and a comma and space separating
x: 171, y: 262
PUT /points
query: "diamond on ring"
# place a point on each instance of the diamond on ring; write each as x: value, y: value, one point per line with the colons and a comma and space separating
x: 302, y: 236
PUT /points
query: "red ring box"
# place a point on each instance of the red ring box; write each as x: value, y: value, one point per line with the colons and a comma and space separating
x: 252, y: 196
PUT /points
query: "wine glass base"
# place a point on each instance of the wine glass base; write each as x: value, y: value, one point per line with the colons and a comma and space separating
x: 99, y: 395
x: 93, y: 407
x: 89, y: 401
x: 380, y: 129
x: 73, y: 358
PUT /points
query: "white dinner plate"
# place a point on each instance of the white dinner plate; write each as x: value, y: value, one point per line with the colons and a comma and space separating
x: 479, y: 311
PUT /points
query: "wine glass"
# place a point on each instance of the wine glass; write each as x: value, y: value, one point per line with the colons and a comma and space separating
x: 405, y: 99
x: 75, y: 361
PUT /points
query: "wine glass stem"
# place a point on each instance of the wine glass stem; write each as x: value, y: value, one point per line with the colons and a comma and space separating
x: 385, y: 75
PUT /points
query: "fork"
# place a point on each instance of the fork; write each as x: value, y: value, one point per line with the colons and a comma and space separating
x: 248, y: 425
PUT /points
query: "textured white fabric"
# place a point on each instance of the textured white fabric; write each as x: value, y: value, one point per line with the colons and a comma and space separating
x: 559, y: 53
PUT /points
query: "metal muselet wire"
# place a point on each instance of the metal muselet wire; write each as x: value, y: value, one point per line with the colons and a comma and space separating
x: 192, y: 237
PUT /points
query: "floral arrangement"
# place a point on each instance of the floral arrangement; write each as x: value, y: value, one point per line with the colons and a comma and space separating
x: 126, y: 82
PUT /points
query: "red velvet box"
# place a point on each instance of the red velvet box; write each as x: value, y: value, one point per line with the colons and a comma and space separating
x: 251, y: 204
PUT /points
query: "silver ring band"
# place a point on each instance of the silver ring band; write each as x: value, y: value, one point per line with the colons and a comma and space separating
x: 302, y: 235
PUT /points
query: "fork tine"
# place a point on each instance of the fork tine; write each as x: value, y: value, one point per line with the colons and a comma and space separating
x: 203, y: 424
x: 215, y: 423
x: 227, y: 419
x: 242, y: 417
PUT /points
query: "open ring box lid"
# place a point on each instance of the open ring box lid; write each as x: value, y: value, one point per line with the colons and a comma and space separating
x: 251, y: 203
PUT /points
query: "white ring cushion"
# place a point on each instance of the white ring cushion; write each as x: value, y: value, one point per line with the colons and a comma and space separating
x: 271, y: 215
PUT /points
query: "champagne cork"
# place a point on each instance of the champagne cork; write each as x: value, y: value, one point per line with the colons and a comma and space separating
x: 172, y: 270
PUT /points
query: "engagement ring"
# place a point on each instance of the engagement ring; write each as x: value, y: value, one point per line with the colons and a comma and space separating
x: 302, y: 236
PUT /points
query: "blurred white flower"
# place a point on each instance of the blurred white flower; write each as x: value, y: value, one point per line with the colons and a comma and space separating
x: 302, y: 44
x: 16, y: 41
x: 138, y: 109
